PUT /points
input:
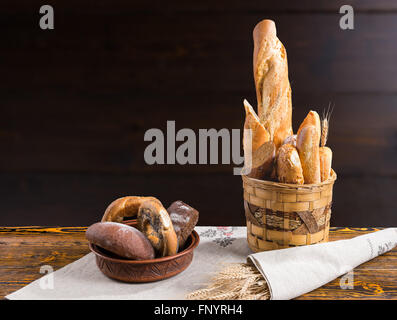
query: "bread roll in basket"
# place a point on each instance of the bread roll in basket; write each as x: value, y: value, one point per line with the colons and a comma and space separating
x: 283, y: 214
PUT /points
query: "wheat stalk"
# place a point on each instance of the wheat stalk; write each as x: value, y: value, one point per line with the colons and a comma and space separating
x: 325, y: 125
x: 226, y: 285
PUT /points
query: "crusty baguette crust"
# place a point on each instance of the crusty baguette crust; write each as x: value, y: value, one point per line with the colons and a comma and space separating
x: 273, y: 90
x: 312, y: 119
x: 259, y: 133
x: 290, y: 140
x: 325, y: 163
x: 289, y: 168
x: 307, y: 143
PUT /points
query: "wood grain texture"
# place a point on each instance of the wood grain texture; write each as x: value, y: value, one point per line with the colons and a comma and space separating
x: 24, y: 249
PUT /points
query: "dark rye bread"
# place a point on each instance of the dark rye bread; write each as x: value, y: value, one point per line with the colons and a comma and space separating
x: 263, y: 161
x: 121, y: 239
x: 184, y: 218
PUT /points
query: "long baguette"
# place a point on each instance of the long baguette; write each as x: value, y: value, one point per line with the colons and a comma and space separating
x: 325, y: 163
x: 273, y: 89
x: 307, y: 143
x: 259, y: 134
x: 312, y: 119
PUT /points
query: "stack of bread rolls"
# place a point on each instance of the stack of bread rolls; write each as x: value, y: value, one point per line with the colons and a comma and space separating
x: 271, y: 150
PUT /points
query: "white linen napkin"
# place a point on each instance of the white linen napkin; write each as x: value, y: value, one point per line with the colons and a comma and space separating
x: 83, y: 280
x: 292, y: 272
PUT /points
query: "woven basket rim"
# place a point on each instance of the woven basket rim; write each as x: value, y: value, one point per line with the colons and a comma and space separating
x: 292, y: 186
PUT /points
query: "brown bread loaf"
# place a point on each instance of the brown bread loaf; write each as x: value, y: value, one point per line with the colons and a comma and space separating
x: 307, y: 144
x: 289, y: 168
x: 263, y: 161
x: 120, y: 239
x: 325, y: 162
x: 184, y: 218
x: 273, y: 89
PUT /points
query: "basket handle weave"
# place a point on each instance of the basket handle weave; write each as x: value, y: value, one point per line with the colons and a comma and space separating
x: 309, y: 220
x: 249, y: 213
x: 307, y: 217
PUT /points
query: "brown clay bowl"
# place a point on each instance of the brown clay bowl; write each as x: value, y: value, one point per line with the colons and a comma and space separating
x: 127, y: 270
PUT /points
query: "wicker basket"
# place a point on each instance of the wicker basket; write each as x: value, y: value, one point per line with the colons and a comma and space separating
x: 283, y: 215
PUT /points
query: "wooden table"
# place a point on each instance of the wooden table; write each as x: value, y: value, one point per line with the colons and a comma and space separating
x: 24, y: 249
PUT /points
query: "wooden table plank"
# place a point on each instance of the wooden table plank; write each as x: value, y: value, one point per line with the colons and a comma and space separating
x: 23, y: 250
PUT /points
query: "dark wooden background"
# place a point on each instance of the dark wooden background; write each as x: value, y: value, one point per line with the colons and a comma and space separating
x: 76, y: 101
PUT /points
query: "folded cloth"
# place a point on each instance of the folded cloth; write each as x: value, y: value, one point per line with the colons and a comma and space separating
x: 292, y: 272
x: 83, y: 280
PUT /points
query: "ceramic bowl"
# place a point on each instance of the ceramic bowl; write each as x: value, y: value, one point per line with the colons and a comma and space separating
x: 127, y: 270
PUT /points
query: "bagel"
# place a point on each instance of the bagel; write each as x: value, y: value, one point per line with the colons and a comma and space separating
x: 123, y: 207
x: 155, y: 223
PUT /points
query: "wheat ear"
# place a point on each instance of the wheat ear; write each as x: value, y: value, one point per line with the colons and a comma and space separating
x: 236, y: 281
x: 325, y: 125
